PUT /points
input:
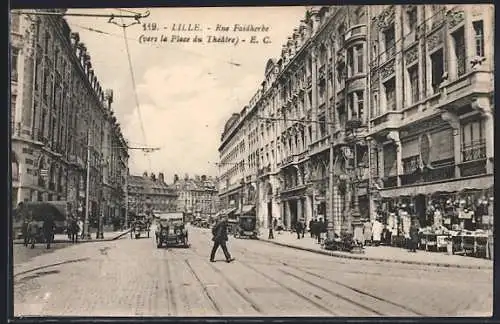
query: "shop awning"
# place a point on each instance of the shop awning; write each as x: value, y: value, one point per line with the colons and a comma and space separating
x: 480, y: 183
x: 246, y: 209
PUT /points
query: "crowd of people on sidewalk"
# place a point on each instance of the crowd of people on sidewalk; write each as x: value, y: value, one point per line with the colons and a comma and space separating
x: 375, y: 233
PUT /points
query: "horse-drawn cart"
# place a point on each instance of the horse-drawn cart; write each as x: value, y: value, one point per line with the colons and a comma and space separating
x: 140, y: 227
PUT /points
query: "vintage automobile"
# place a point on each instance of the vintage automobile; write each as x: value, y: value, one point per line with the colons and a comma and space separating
x: 140, y: 226
x: 246, y: 227
x: 171, y: 230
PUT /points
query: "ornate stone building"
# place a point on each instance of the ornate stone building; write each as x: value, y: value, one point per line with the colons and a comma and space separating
x: 197, y: 196
x: 148, y: 193
x: 387, y: 102
x: 58, y: 108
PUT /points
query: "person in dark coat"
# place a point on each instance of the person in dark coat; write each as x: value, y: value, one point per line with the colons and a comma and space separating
x: 220, y: 238
x: 320, y: 228
x: 413, y: 236
x: 275, y: 224
x: 32, y: 231
x: 48, y: 229
x: 311, y: 222
x: 298, y: 228
x: 271, y: 234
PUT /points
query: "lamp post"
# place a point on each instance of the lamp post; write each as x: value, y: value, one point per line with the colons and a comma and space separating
x: 356, y: 226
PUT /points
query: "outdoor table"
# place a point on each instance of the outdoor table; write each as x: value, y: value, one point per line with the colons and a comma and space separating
x: 432, y: 241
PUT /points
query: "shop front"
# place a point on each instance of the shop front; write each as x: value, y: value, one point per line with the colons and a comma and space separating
x: 458, y: 212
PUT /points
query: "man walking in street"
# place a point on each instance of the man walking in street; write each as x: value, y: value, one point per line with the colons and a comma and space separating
x: 311, y: 225
x: 298, y: 228
x: 271, y: 234
x: 220, y: 238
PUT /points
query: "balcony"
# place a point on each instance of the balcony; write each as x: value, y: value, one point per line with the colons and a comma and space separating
x: 386, y: 122
x: 355, y: 33
x: 459, y: 92
x: 445, y: 172
x: 291, y: 159
x: 319, y: 146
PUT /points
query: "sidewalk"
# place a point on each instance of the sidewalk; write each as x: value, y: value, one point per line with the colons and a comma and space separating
x: 63, y: 238
x: 381, y: 253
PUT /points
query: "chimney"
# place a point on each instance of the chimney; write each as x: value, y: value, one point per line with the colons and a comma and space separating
x: 161, y: 177
x: 203, y: 178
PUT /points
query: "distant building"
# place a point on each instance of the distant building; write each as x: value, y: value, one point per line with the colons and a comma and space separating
x: 196, y: 196
x: 150, y: 194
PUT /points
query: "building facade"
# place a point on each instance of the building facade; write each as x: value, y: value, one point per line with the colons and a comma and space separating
x: 367, y: 107
x: 150, y: 194
x: 197, y: 197
x: 59, y: 114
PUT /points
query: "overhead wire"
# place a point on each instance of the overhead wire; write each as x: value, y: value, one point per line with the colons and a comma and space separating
x: 136, y: 96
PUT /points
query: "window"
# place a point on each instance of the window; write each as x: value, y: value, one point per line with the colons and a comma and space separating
x: 322, y: 126
x: 413, y: 75
x: 14, y: 22
x: 459, y: 42
x: 390, y: 41
x: 473, y: 141
x: 359, y: 58
x: 479, y: 37
x: 15, y: 54
x: 350, y: 62
x: 374, y: 107
x: 46, y: 44
x: 13, y: 112
x: 437, y: 69
x: 411, y: 15
x: 361, y: 105
x: 390, y: 94
x: 41, y: 133
x: 437, y: 14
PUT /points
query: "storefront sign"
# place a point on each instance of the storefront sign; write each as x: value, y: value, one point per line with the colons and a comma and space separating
x: 425, y: 148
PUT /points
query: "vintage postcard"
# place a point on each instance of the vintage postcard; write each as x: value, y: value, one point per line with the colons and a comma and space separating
x: 253, y: 161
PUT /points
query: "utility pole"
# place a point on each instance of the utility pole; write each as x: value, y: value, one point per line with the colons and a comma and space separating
x: 85, y: 233
x: 331, y: 181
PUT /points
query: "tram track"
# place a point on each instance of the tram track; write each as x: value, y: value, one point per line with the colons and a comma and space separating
x: 335, y: 282
x: 204, y: 288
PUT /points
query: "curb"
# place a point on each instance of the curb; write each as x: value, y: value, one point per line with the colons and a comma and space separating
x: 355, y: 257
x: 87, y: 241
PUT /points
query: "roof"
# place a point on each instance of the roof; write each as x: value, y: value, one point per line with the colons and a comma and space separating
x: 148, y: 186
x: 195, y: 185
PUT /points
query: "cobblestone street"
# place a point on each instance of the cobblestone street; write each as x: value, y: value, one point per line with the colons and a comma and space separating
x: 130, y: 277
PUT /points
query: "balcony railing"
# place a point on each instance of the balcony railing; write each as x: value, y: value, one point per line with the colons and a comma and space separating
x: 444, y: 172
x: 355, y: 32
x: 474, y: 151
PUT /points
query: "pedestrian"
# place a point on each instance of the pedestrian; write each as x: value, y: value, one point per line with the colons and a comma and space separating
x: 271, y: 234
x: 219, y: 232
x: 311, y: 222
x: 48, y: 229
x: 413, y: 236
x: 298, y: 229
x: 32, y: 231
x: 377, y: 232
x: 367, y: 232
x: 275, y: 223
x: 303, y: 225
x: 319, y: 230
x: 24, y: 231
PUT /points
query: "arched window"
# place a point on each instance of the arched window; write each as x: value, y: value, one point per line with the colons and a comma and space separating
x: 15, y: 168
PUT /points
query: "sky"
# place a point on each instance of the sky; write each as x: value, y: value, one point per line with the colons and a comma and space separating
x: 186, y: 91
